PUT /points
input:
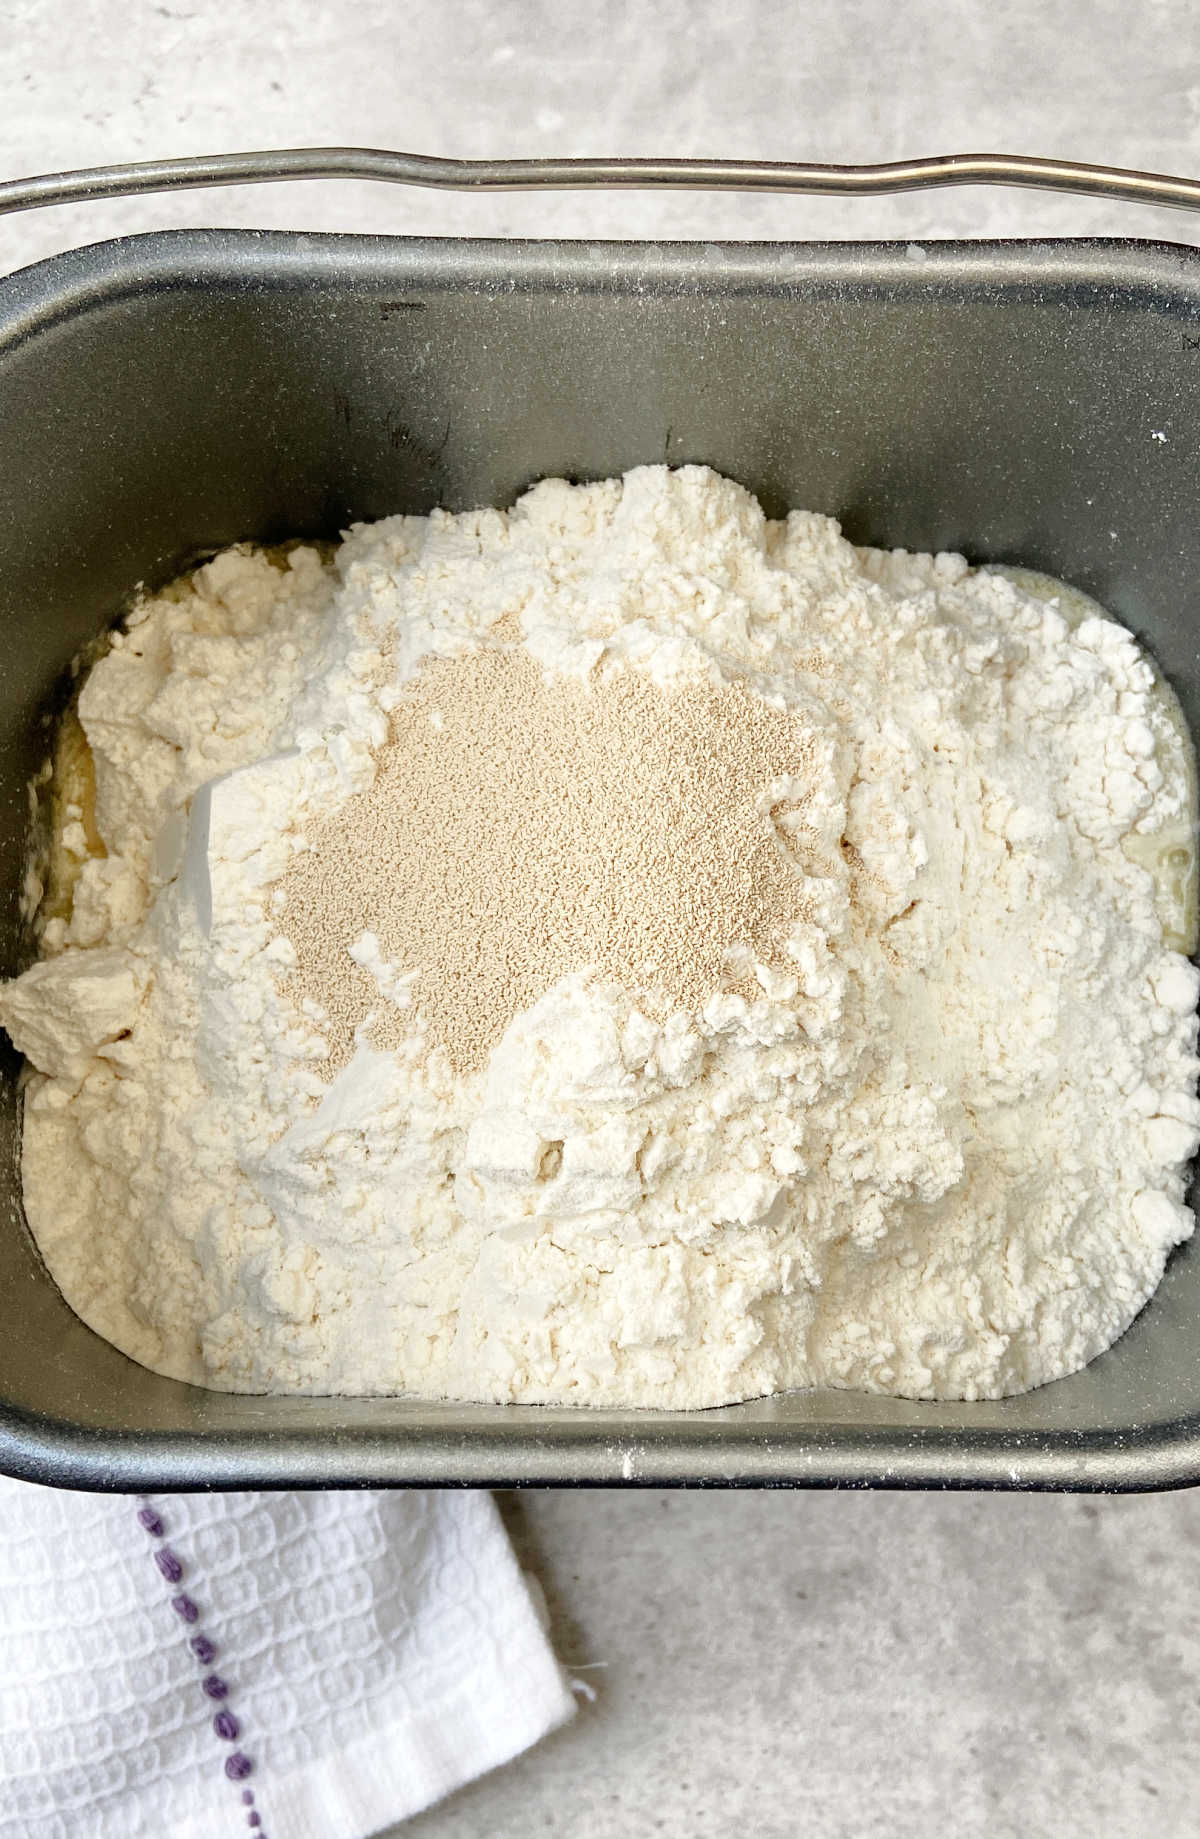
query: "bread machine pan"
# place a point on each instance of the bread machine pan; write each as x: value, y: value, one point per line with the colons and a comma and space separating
x: 164, y: 395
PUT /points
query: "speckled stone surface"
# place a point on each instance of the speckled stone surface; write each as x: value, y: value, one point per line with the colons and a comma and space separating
x: 837, y: 1666
x: 87, y: 82
x: 842, y: 1666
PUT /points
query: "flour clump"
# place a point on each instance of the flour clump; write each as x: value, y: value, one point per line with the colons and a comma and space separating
x: 620, y: 951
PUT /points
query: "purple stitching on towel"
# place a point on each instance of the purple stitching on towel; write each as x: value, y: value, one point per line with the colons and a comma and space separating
x: 225, y: 1725
x: 168, y: 1564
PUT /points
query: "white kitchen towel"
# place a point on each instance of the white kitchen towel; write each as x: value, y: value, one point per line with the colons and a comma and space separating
x: 263, y: 1666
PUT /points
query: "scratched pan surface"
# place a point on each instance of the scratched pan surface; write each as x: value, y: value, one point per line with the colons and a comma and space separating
x: 162, y: 396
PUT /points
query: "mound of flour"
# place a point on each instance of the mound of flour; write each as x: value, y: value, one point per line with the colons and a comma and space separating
x: 923, y: 1131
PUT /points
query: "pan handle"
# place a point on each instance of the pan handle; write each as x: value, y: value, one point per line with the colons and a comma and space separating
x: 122, y: 181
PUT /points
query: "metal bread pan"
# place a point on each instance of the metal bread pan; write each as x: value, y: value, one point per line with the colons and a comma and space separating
x: 162, y: 396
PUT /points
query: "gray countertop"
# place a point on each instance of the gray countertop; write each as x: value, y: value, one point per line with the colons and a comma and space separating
x: 834, y: 1665
x: 843, y: 1665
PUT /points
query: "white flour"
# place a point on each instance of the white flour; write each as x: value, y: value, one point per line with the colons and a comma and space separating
x: 941, y: 1154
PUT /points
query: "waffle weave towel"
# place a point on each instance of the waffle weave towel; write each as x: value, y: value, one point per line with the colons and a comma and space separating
x: 262, y: 1666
